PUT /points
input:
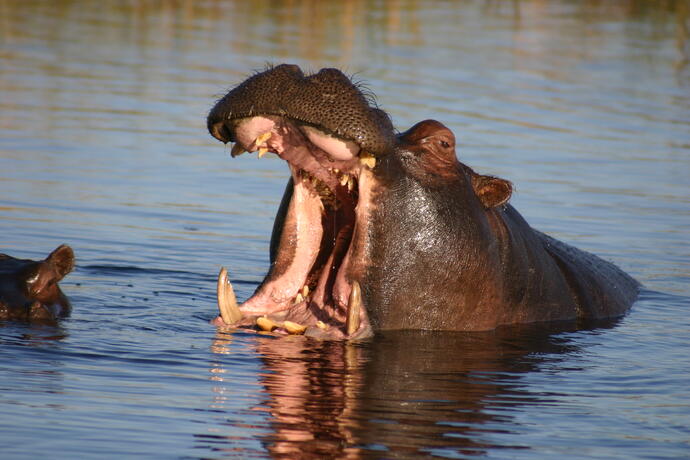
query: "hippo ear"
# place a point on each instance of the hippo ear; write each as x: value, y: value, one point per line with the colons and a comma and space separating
x: 62, y: 259
x: 492, y: 191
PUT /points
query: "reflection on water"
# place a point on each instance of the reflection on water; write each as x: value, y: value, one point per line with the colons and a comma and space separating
x: 584, y: 105
x: 405, y: 393
x: 311, y: 30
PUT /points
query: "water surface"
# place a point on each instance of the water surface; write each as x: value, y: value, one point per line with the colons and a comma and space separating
x: 585, y: 106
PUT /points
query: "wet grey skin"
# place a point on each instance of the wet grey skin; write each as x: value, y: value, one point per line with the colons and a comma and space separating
x: 380, y: 231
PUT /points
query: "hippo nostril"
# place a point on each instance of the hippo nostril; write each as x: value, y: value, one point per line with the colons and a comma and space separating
x: 291, y: 68
x: 220, y: 132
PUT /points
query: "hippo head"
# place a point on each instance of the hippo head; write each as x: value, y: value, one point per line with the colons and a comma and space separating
x: 29, y: 290
x: 368, y: 217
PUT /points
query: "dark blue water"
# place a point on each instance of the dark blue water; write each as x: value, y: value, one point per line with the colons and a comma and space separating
x: 585, y: 106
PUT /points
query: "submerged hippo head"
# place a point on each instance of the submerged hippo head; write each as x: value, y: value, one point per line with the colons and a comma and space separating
x: 384, y: 231
x: 29, y: 290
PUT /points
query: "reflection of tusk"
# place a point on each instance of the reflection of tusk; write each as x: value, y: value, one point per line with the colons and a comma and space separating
x: 237, y: 150
x: 353, y: 308
x: 227, y: 302
x: 262, y: 151
x: 265, y: 324
x: 294, y: 328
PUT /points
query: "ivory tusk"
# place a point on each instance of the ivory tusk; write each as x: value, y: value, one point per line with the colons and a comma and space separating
x: 353, y: 308
x: 227, y: 302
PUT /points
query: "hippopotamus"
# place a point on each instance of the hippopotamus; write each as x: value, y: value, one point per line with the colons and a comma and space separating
x: 29, y: 290
x: 380, y: 230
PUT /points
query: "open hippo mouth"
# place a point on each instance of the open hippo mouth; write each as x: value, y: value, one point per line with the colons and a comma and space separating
x: 331, y: 134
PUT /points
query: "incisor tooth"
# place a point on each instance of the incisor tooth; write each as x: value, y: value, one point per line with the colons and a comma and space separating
x: 344, y: 179
x: 262, y: 138
x: 294, y: 328
x: 298, y: 298
x: 262, y: 151
x: 265, y: 324
x: 227, y: 302
x: 350, y: 184
x: 237, y: 150
x: 305, y: 291
x: 353, y: 307
x: 367, y: 159
x: 321, y: 325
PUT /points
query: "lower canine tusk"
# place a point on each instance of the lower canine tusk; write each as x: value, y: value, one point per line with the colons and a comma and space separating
x: 353, y: 309
x: 227, y: 302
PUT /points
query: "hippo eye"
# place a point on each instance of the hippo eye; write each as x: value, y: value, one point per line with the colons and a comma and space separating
x: 445, y: 144
x: 32, y: 279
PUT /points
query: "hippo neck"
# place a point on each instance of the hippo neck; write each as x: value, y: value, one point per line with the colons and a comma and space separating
x: 441, y: 227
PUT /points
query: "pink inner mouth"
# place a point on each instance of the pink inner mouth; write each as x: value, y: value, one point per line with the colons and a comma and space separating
x: 322, y: 244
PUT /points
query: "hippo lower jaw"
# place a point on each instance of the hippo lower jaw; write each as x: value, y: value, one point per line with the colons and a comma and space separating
x: 313, y: 285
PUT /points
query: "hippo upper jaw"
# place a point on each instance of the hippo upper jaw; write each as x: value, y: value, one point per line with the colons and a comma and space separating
x: 327, y: 100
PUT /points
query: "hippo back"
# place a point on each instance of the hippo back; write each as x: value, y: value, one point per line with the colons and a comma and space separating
x: 600, y: 289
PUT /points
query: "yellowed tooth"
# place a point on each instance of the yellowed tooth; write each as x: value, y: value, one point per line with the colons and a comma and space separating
x: 262, y: 151
x: 321, y: 325
x: 262, y: 138
x: 237, y: 150
x: 227, y: 302
x: 344, y: 179
x: 350, y: 184
x: 265, y: 324
x: 354, y: 306
x: 367, y: 159
x: 305, y: 291
x: 298, y: 298
x: 336, y: 170
x: 294, y: 328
